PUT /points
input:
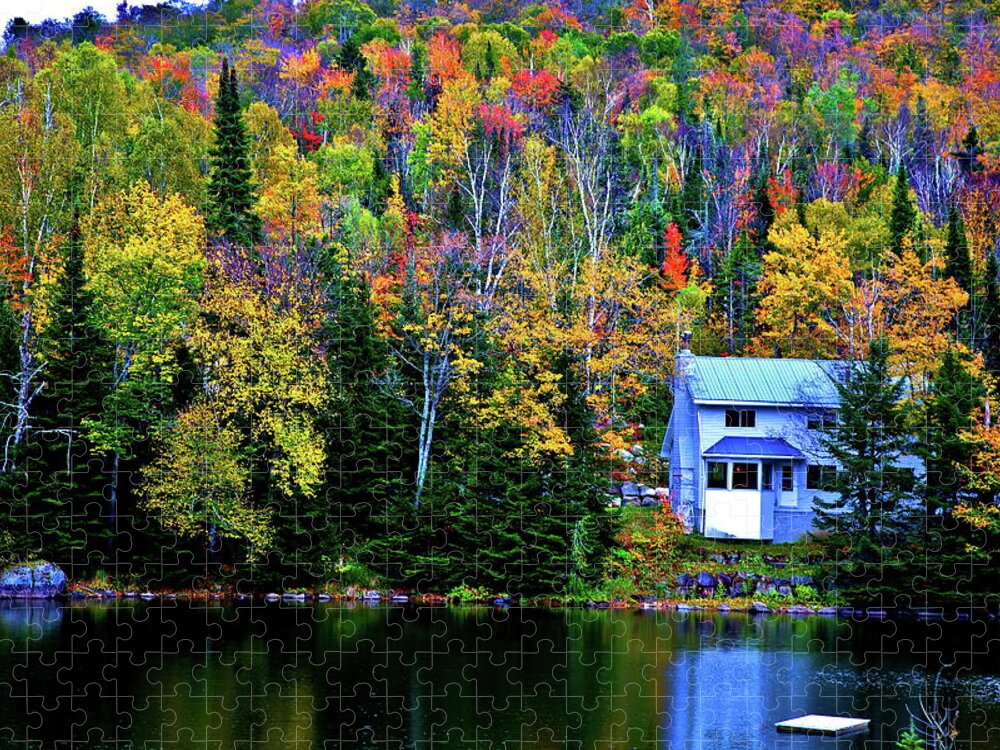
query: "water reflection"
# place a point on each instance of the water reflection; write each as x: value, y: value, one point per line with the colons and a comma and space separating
x: 29, y: 619
x: 301, y: 676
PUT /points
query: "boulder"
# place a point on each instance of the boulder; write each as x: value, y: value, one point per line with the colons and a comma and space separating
x: 800, y: 609
x: 36, y: 580
x: 766, y: 588
x: 760, y: 608
x: 706, y: 580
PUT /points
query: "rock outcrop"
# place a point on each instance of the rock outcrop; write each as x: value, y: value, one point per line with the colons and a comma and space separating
x: 34, y: 580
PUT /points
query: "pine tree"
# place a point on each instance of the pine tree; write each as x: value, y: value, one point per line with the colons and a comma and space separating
x: 990, y: 314
x: 66, y: 499
x: 955, y: 395
x: 968, y: 155
x: 230, y: 189
x: 735, y: 294
x: 866, y: 518
x: 369, y: 513
x: 692, y: 195
x: 903, y: 217
x: 958, y: 266
x: 510, y: 524
x: 958, y: 262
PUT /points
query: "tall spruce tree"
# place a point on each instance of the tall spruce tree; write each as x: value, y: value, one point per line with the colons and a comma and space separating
x: 968, y: 154
x: 903, y: 216
x: 230, y: 189
x: 692, y: 195
x: 958, y: 266
x: 990, y: 314
x: 863, y: 525
x: 958, y: 262
x: 522, y: 526
x: 66, y: 497
x: 942, y: 544
x: 955, y: 394
x: 370, y: 510
x: 735, y: 294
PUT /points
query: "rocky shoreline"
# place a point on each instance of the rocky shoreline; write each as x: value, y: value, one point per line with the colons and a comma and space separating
x: 371, y: 598
x: 719, y: 592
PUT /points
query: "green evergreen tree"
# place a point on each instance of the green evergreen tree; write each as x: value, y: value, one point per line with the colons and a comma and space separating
x: 968, y: 154
x: 990, y: 314
x: 864, y: 525
x: 367, y: 515
x: 692, y: 195
x: 350, y: 59
x: 958, y: 261
x: 735, y: 294
x: 903, y: 216
x: 66, y: 496
x: 230, y: 188
x: 642, y: 237
x: 958, y: 266
x: 942, y: 556
x: 510, y: 524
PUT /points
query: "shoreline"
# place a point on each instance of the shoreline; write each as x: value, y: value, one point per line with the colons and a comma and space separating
x: 752, y: 606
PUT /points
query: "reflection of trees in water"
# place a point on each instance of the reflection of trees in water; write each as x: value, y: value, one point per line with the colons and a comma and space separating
x: 404, y: 676
x: 33, y: 619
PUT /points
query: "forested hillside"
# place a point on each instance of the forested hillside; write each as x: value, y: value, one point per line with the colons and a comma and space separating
x: 327, y: 290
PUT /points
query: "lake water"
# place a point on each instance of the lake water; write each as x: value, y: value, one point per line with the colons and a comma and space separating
x: 179, y: 675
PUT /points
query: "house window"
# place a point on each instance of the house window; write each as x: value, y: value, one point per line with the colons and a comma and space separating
x: 741, y: 418
x: 819, y: 477
x: 745, y: 476
x: 787, y: 483
x: 717, y: 475
x: 822, y: 420
x: 767, y: 478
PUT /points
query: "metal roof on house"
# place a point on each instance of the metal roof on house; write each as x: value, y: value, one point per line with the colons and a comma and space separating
x: 752, y: 380
x: 754, y: 447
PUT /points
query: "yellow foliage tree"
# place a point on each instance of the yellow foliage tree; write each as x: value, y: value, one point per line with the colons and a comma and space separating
x: 806, y: 282
x: 919, y: 307
x: 255, y: 340
x: 199, y: 483
x: 289, y: 203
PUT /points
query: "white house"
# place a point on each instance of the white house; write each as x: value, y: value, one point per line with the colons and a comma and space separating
x: 743, y: 444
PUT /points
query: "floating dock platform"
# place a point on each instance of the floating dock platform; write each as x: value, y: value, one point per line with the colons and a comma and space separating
x: 828, y: 725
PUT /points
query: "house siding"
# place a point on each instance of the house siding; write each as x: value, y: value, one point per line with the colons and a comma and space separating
x: 685, y: 466
x: 696, y: 427
x: 792, y: 525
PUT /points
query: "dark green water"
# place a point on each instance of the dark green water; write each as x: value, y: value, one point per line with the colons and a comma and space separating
x: 313, y: 676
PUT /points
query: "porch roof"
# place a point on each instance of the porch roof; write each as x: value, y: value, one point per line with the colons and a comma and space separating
x: 754, y: 447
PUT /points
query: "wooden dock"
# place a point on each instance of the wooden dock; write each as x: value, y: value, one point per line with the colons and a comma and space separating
x: 828, y: 725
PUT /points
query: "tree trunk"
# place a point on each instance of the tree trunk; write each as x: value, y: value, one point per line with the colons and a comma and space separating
x: 113, y: 501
